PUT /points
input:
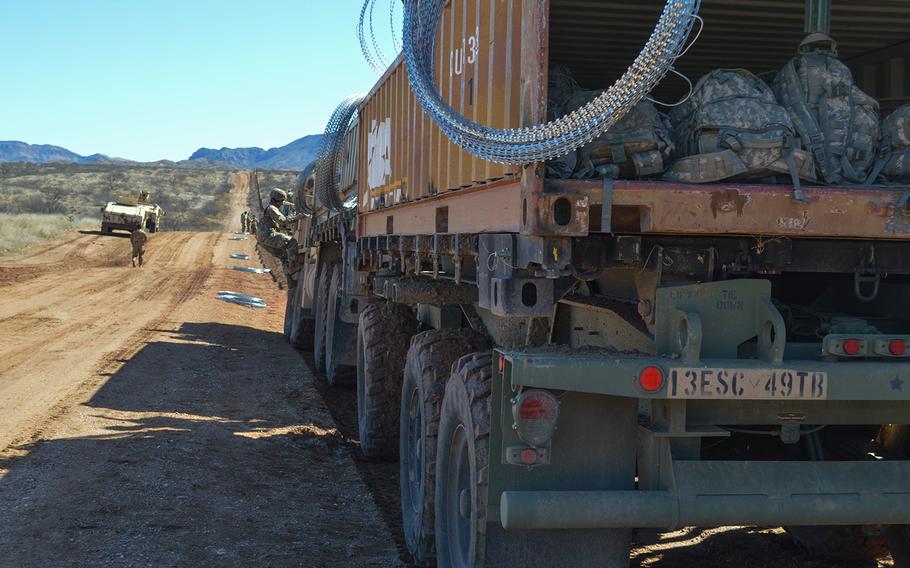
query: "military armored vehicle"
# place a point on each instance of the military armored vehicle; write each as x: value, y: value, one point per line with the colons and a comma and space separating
x: 129, y: 212
x: 556, y: 360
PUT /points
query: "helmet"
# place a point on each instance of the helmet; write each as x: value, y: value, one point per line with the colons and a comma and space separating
x: 278, y: 195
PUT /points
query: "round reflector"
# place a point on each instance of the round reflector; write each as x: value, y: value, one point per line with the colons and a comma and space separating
x: 651, y: 379
x: 535, y: 413
x: 851, y: 346
x: 897, y: 347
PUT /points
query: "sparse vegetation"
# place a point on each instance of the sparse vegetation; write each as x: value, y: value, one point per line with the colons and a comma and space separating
x: 20, y: 230
x: 194, y: 199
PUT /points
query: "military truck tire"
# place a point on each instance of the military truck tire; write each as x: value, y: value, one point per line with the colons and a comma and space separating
x: 382, y: 338
x: 323, y: 279
x: 464, y: 537
x: 337, y: 337
x: 290, y: 312
x: 105, y: 230
x: 427, y: 368
x: 839, y: 542
x: 899, y: 542
x: 462, y: 453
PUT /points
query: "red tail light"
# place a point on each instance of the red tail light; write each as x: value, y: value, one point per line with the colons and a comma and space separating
x: 535, y: 413
x: 897, y: 347
x: 651, y: 379
x: 851, y: 346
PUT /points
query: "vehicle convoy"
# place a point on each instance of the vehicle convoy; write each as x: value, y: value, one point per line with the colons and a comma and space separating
x: 565, y: 334
x: 129, y: 212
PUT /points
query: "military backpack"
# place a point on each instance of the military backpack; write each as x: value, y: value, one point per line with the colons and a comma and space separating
x: 893, y: 164
x: 639, y: 145
x: 837, y: 122
x: 732, y: 127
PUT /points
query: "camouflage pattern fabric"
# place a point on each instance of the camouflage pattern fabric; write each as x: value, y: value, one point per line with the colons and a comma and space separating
x: 637, y: 146
x: 893, y: 164
x: 733, y: 128
x: 138, y: 238
x: 837, y: 122
x: 271, y: 236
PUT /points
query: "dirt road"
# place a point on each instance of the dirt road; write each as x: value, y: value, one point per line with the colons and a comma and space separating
x: 144, y: 423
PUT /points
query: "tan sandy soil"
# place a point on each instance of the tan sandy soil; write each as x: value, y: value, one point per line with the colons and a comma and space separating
x: 144, y: 423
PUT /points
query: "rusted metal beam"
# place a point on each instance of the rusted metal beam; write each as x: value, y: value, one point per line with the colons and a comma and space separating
x: 749, y: 210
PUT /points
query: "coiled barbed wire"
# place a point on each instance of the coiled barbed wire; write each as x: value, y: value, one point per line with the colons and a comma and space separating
x: 330, y: 159
x: 371, y: 49
x: 302, y: 196
x: 545, y: 141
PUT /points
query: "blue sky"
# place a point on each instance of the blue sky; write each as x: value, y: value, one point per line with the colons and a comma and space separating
x: 152, y: 79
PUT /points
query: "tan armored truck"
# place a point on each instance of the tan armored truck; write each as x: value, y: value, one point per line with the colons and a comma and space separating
x: 129, y: 212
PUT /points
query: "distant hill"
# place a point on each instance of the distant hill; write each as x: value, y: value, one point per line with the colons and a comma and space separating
x: 294, y: 156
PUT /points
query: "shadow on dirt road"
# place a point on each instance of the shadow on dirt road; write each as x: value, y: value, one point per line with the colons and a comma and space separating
x: 198, y: 451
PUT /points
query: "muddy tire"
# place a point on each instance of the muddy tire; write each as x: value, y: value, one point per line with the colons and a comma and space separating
x: 464, y: 537
x: 105, y: 230
x: 323, y: 279
x: 290, y: 312
x: 841, y: 542
x: 427, y: 369
x: 462, y: 455
x: 899, y: 543
x: 298, y: 329
x: 338, y: 336
x: 383, y: 336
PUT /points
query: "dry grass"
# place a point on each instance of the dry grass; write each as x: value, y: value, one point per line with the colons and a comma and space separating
x: 20, y: 230
x: 195, y: 200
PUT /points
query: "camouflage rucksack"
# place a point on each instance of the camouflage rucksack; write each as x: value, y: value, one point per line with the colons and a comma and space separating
x: 836, y: 121
x: 731, y: 127
x: 637, y: 146
x: 894, y: 162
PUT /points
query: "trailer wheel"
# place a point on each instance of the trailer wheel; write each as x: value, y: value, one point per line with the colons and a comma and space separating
x: 339, y: 337
x: 323, y: 279
x: 290, y: 311
x: 428, y: 367
x: 839, y: 542
x: 899, y: 543
x: 464, y: 537
x: 462, y: 455
x: 105, y: 229
x: 382, y: 338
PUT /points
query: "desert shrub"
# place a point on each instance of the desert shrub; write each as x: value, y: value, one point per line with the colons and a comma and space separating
x: 20, y: 230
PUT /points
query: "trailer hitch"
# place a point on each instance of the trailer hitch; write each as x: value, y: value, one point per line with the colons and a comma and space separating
x: 865, y: 276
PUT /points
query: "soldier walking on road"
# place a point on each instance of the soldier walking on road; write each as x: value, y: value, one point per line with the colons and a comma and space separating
x: 138, y: 238
x: 244, y: 222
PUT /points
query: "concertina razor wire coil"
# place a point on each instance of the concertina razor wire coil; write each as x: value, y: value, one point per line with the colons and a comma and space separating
x: 301, y: 195
x: 520, y: 146
x: 330, y: 159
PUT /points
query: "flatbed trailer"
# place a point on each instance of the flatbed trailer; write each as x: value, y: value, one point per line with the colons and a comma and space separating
x: 557, y: 361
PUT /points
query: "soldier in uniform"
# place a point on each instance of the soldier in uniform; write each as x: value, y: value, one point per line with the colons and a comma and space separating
x: 274, y: 227
x: 138, y: 238
x: 244, y: 225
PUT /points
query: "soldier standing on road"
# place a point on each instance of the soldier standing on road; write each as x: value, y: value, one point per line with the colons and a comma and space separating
x: 244, y: 224
x: 138, y: 238
x: 273, y: 229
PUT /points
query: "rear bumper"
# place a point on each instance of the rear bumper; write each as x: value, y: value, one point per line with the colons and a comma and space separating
x: 616, y: 374
x: 729, y: 493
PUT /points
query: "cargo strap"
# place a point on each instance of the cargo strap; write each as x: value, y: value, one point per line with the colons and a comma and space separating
x: 881, y: 163
x: 812, y: 135
x: 606, y: 212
